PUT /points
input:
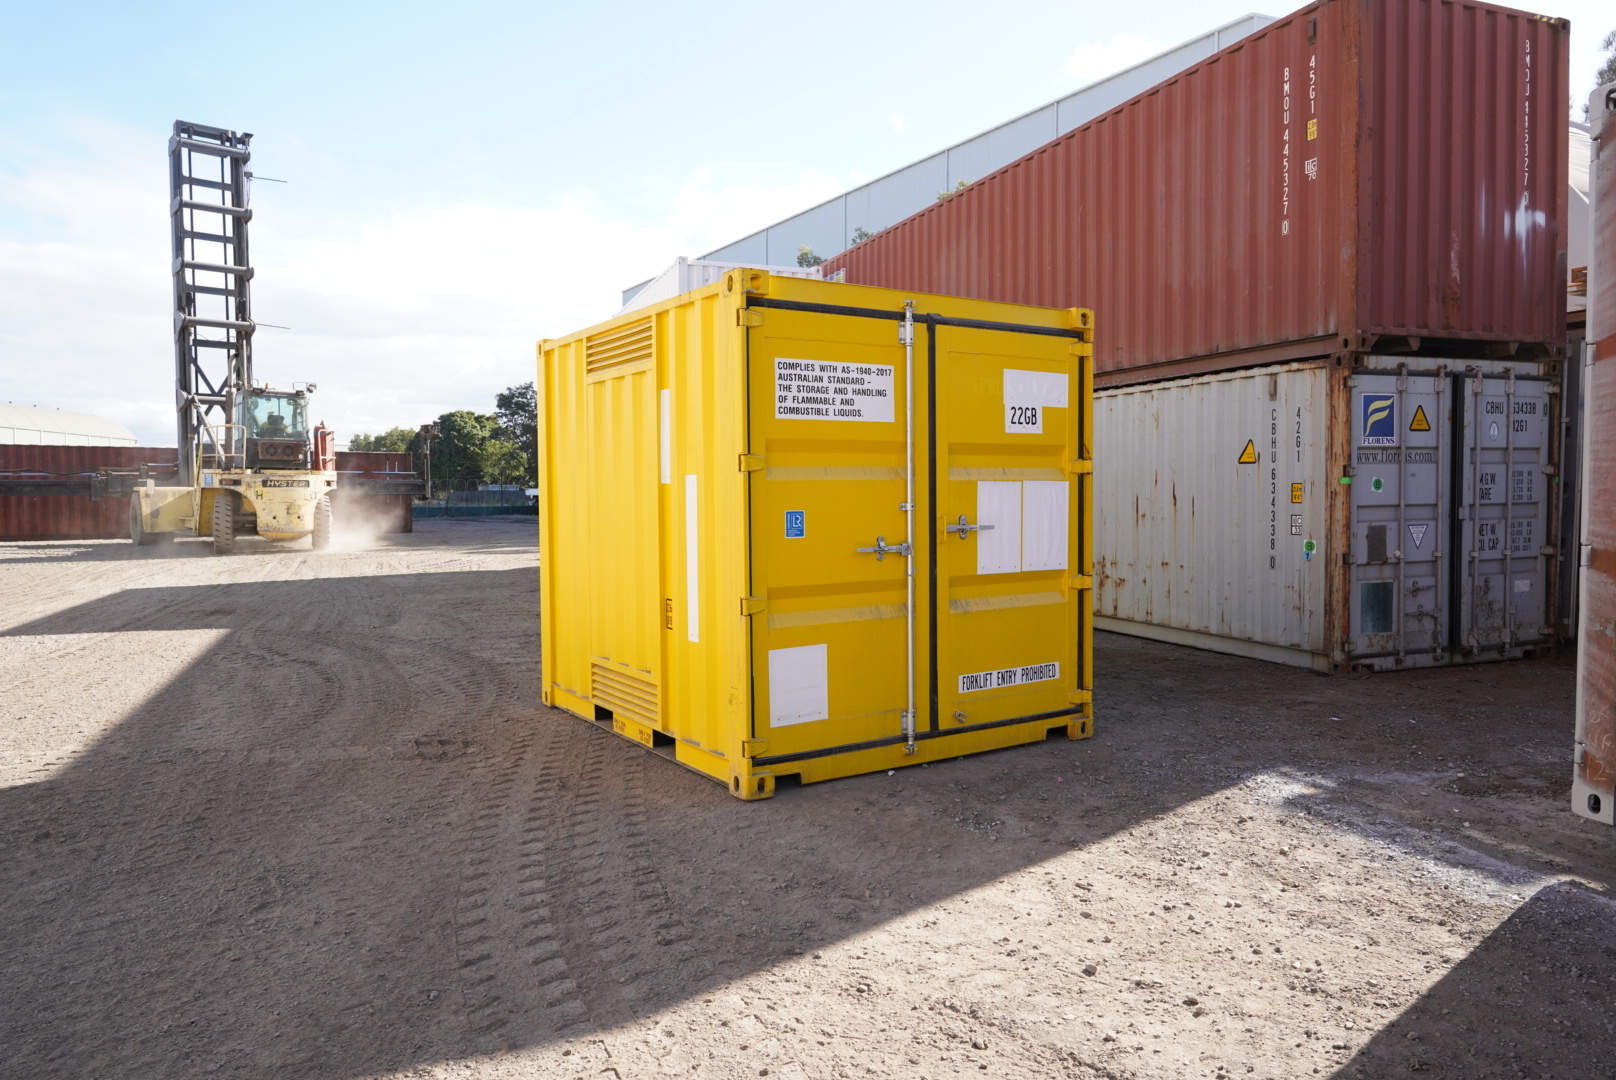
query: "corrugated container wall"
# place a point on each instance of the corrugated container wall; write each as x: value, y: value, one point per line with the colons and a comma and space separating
x: 1593, y: 789
x: 72, y: 517
x: 1393, y: 513
x: 363, y: 510
x: 1361, y: 175
x: 727, y: 486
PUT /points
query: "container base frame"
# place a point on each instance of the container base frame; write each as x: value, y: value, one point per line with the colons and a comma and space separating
x: 756, y: 778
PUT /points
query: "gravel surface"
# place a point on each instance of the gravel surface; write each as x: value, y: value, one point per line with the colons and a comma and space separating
x: 299, y: 814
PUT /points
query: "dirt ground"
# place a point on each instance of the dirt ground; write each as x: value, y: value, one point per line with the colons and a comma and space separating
x: 300, y: 815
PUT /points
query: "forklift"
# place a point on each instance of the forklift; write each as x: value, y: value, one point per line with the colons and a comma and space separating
x: 249, y: 461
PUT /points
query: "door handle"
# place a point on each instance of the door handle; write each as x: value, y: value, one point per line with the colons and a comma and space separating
x: 882, y: 549
x: 962, y: 528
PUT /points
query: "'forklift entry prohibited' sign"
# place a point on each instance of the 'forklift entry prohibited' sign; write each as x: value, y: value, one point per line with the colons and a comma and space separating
x: 823, y: 390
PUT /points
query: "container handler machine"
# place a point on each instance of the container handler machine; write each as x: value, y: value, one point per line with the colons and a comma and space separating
x: 249, y: 463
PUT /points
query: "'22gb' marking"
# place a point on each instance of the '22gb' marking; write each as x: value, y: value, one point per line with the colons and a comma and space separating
x: 1022, y: 418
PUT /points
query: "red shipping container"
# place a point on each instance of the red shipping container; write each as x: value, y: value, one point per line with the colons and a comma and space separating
x: 1361, y: 175
x: 72, y: 517
x: 384, y: 513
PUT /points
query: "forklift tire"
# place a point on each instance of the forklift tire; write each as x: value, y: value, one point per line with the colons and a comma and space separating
x: 322, y: 523
x: 224, y: 523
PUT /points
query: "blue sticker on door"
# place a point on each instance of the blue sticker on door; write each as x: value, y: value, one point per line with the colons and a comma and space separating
x: 796, y: 524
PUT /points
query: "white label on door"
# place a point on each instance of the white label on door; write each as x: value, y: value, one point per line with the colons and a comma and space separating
x: 799, y: 685
x: 1003, y: 677
x: 823, y: 390
x: 998, y: 503
x: 1026, y: 395
x: 1043, y: 524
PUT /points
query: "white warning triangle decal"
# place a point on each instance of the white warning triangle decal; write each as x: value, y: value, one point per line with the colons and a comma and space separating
x: 1418, y: 533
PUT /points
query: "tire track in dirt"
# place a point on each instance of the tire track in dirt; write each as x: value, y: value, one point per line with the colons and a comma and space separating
x: 561, y: 912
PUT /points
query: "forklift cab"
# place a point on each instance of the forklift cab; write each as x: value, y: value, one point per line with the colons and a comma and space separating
x: 277, y: 429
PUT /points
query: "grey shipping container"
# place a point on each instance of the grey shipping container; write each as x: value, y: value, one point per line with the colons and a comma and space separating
x: 1353, y: 511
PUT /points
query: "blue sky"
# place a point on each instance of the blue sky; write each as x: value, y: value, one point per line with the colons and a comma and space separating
x: 465, y: 179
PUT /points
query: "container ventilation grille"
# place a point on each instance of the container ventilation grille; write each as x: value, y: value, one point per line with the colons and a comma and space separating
x: 617, y: 348
x: 627, y: 696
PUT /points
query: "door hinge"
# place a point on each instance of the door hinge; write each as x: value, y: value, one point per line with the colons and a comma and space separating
x: 751, y: 605
x: 1081, y: 582
x: 754, y: 747
x: 751, y: 462
x: 1080, y: 348
x: 748, y: 317
x: 1078, y: 468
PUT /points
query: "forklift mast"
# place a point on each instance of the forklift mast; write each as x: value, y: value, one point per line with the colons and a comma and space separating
x: 209, y: 209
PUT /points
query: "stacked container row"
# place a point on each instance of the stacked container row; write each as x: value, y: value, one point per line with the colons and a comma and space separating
x: 1328, y: 269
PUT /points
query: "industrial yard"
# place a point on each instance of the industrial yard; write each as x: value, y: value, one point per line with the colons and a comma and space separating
x: 300, y: 813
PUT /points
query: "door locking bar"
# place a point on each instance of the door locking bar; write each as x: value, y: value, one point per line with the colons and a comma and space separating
x: 882, y: 549
x: 962, y: 528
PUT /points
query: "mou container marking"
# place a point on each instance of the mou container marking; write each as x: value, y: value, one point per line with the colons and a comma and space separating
x: 724, y: 521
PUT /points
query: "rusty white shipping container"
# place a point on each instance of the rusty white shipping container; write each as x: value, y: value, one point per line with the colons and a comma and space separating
x: 1355, y: 511
x: 1593, y: 786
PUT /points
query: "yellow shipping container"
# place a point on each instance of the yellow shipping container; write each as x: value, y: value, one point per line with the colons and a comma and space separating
x: 800, y: 528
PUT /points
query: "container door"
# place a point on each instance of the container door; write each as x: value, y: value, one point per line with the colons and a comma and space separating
x: 1501, y: 514
x: 1008, y: 440
x: 830, y: 647
x: 1400, y: 425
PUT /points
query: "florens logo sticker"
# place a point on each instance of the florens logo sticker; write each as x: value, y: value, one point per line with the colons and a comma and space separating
x: 1379, y: 420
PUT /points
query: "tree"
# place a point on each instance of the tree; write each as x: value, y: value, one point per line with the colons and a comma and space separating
x: 518, y: 412
x: 457, y: 452
x: 393, y: 441
x: 1607, y: 70
x: 806, y: 257
x: 959, y: 187
x: 861, y: 234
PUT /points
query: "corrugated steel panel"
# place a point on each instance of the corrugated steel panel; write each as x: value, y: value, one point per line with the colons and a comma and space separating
x: 1358, y: 168
x: 891, y: 198
x: 371, y: 464
x: 70, y: 517
x: 384, y: 513
x: 1593, y: 788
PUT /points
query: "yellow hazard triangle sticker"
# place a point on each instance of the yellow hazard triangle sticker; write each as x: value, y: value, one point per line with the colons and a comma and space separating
x: 1248, y: 456
x: 1419, y: 423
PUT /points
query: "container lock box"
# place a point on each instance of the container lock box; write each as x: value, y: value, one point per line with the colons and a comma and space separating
x: 794, y: 528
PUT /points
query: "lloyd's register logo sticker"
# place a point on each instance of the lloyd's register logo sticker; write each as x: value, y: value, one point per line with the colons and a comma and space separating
x: 1379, y: 420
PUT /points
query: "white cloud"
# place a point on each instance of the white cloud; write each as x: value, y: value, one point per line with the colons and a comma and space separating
x: 398, y: 318
x: 1092, y: 62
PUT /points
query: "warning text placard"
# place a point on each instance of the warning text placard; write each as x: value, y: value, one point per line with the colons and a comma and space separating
x: 826, y: 390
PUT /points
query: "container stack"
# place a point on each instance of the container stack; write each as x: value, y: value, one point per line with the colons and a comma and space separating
x: 1328, y: 268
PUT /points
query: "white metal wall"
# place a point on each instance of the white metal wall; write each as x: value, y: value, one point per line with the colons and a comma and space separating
x: 1199, y: 534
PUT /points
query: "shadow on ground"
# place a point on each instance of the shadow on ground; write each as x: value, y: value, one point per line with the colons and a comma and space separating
x: 347, y: 840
